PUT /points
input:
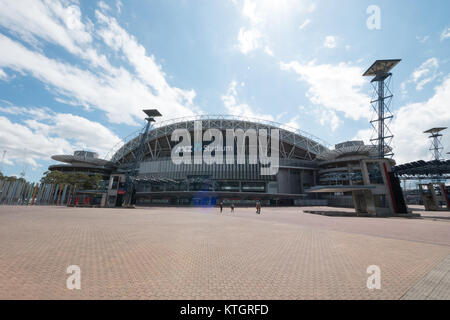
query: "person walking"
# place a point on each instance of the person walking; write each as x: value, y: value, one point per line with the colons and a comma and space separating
x: 221, y: 206
x: 258, y: 207
x: 232, y: 207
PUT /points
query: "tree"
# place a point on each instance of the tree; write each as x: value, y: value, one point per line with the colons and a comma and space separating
x: 78, y: 180
x: 54, y: 177
x: 93, y: 182
x: 11, y: 178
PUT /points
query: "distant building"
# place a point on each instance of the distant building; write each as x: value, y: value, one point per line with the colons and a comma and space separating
x: 83, y: 162
x: 342, y: 165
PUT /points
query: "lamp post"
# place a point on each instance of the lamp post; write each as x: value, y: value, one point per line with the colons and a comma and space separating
x: 131, y: 173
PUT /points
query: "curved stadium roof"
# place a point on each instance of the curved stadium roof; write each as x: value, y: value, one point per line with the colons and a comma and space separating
x: 367, y: 150
x: 74, y: 159
x: 297, y: 139
x: 351, y: 148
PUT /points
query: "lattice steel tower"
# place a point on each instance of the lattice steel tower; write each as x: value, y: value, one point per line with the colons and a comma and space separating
x: 381, y: 102
x: 436, y: 144
x: 132, y: 172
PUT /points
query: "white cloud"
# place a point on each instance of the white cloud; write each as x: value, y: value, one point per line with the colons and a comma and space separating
x: 365, y: 135
x: 87, y: 134
x: 312, y: 7
x: 44, y: 133
x: 268, y: 51
x: 249, y: 37
x: 329, y: 118
x: 422, y: 39
x: 51, y: 21
x: 119, y: 6
x: 119, y: 92
x: 445, y: 33
x: 35, y: 113
x: 80, y: 85
x: 234, y: 107
x: 3, y: 75
x: 304, y: 24
x: 248, y: 40
x: 252, y: 12
x: 22, y: 142
x: 335, y: 88
x: 292, y: 124
x: 260, y: 15
x: 103, y: 6
x: 323, y: 116
x: 410, y: 143
x: 425, y: 73
x: 145, y: 66
x: 330, y: 42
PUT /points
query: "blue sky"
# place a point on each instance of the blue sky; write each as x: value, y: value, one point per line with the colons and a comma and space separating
x: 76, y: 74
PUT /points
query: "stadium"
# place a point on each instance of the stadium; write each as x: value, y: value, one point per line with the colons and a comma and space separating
x: 161, y: 181
x: 164, y: 164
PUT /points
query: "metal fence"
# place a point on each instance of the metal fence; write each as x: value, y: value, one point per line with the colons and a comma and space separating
x: 25, y: 193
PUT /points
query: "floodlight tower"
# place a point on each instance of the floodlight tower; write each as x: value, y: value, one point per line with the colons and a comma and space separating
x: 381, y: 101
x: 132, y: 172
x: 436, y: 144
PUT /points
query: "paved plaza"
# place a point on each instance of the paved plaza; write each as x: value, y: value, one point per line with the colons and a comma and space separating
x: 198, y: 253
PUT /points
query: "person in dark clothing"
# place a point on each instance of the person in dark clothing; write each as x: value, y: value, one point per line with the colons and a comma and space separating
x: 258, y: 207
x: 221, y: 206
x: 232, y: 207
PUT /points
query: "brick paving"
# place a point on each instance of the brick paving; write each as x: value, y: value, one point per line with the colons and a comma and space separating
x: 435, y: 285
x: 196, y: 253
